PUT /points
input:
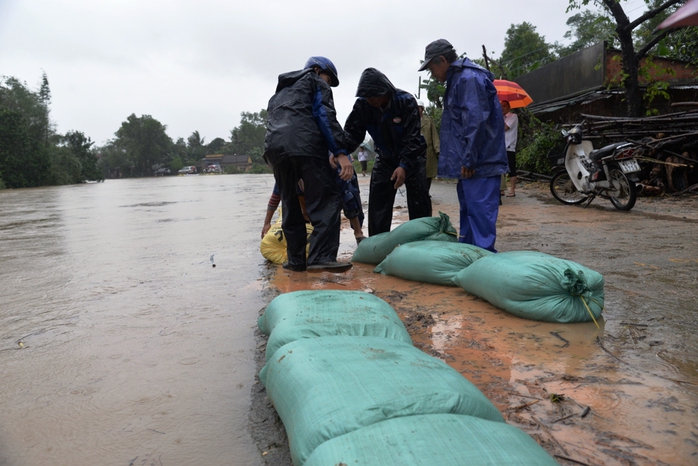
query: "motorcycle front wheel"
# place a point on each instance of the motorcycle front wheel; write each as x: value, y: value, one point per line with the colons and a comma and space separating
x: 628, y: 191
x: 564, y: 190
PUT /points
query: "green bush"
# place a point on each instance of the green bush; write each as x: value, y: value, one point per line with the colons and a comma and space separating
x: 357, y: 166
x: 232, y: 170
x: 536, y: 141
x: 259, y: 168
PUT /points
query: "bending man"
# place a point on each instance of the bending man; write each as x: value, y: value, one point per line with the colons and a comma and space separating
x: 391, y: 117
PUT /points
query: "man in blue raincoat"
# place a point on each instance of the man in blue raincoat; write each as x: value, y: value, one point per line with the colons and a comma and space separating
x: 472, y: 140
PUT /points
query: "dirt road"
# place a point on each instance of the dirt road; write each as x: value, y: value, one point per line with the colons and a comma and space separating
x: 622, y: 394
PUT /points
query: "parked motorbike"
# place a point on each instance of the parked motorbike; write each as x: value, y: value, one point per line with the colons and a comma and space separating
x: 584, y: 173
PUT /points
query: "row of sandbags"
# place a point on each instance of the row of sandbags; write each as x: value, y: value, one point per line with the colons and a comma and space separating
x: 351, y: 388
x: 528, y: 284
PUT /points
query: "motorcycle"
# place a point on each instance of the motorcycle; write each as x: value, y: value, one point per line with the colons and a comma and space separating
x: 584, y: 173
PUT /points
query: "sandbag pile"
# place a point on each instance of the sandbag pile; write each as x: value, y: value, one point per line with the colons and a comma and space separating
x: 528, y: 284
x: 435, y: 262
x: 375, y: 248
x: 347, y: 396
x: 536, y: 286
x: 310, y: 314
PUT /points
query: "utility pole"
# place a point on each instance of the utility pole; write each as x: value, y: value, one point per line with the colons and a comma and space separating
x: 484, y: 55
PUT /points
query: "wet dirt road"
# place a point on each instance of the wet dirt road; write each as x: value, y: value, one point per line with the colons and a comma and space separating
x: 624, y: 394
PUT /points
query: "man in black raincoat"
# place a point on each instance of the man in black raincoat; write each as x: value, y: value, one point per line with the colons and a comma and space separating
x: 302, y: 134
x: 391, y: 117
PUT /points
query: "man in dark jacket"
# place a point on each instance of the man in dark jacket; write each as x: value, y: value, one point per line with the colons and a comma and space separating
x: 391, y: 117
x: 302, y: 134
x: 472, y: 140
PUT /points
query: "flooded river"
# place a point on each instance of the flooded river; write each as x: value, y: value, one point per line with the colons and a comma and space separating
x: 120, y: 342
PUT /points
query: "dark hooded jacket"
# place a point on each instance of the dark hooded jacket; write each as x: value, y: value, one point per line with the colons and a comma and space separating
x: 395, y: 129
x: 301, y: 119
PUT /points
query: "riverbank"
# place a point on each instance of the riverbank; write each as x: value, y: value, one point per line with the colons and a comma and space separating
x: 622, y: 394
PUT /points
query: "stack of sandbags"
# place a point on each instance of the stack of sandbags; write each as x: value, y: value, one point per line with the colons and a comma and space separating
x: 346, y: 396
x: 310, y: 314
x: 435, y: 262
x: 374, y: 249
x: 433, y: 439
x: 536, y: 286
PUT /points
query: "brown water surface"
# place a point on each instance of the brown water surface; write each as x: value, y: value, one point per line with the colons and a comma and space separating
x: 120, y: 343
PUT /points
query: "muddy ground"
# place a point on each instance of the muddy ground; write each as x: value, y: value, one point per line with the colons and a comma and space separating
x: 622, y: 394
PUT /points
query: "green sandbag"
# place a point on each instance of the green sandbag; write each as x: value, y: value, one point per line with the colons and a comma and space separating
x: 328, y: 386
x: 430, y: 261
x: 373, y: 250
x: 536, y: 286
x: 310, y: 314
x: 433, y: 439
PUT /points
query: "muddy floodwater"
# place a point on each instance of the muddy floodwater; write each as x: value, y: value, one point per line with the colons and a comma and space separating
x: 120, y: 343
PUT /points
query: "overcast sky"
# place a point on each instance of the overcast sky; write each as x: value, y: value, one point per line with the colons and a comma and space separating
x: 196, y: 65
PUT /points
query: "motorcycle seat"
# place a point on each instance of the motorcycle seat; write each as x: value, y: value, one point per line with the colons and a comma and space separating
x: 597, y: 154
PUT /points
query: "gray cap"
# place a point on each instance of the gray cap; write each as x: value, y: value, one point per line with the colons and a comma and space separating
x: 435, y: 49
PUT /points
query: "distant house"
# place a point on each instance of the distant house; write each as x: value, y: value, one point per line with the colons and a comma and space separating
x: 241, y: 162
x: 588, y: 82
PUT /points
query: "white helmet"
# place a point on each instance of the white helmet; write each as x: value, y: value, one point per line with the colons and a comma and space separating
x: 420, y: 104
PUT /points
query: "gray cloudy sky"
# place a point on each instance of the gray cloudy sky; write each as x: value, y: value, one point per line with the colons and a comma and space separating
x: 196, y: 65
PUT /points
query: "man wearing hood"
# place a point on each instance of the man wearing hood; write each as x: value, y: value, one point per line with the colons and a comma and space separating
x: 472, y: 140
x: 391, y: 117
x: 302, y: 136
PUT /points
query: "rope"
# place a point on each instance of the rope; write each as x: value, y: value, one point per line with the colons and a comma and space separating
x: 590, y: 313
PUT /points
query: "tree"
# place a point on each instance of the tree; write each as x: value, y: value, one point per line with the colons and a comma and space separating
x: 524, y: 50
x: 248, y: 138
x: 631, y: 52
x: 145, y: 142
x: 586, y: 29
x: 215, y: 146
x: 79, y: 147
x: 24, y: 134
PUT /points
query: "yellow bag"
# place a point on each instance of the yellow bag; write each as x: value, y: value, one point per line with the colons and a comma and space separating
x: 273, y: 245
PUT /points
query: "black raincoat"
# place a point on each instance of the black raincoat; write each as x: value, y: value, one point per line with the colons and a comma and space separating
x: 302, y: 129
x: 301, y: 119
x: 396, y: 132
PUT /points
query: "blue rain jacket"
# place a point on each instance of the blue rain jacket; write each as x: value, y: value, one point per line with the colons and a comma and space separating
x: 472, y: 126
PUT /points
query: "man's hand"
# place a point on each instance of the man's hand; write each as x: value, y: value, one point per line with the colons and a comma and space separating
x: 265, y: 229
x: 466, y: 172
x: 344, y: 163
x: 399, y: 176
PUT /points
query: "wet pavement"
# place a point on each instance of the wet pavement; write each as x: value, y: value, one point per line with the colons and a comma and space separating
x: 622, y: 394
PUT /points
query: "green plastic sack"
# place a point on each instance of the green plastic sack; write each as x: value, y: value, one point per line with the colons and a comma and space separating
x: 329, y: 386
x: 375, y: 248
x: 433, y: 439
x: 430, y: 261
x: 536, y: 286
x: 309, y: 314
